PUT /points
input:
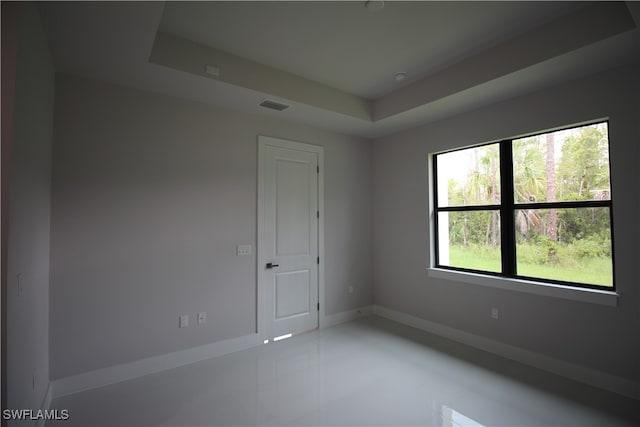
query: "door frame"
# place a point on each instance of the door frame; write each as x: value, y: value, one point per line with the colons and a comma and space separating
x: 261, y: 312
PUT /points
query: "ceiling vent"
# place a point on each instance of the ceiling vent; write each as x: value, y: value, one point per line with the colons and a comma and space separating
x: 273, y: 105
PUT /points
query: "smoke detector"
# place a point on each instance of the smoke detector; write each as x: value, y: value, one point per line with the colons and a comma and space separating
x: 401, y: 76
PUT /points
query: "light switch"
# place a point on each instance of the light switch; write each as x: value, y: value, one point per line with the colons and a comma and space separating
x: 184, y: 321
x: 244, y: 250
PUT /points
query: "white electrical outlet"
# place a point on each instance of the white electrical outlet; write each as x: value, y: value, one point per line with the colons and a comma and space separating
x: 184, y: 321
x: 212, y: 70
x: 243, y: 250
x: 494, y: 313
x: 202, y: 318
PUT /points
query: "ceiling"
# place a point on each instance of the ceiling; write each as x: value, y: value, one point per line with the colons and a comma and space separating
x: 334, y: 62
x: 342, y: 45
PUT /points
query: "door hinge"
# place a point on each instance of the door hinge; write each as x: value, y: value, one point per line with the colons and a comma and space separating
x: 317, y: 169
x: 317, y: 214
x: 318, y: 306
x: 318, y: 260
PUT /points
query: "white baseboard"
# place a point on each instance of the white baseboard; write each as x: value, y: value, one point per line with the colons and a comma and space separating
x: 346, y: 316
x: 138, y: 368
x: 46, y: 403
x: 579, y: 373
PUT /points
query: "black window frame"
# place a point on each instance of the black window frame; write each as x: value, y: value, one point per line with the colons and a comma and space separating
x: 508, y: 207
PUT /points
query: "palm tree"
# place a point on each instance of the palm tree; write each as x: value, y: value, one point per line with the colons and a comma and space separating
x: 528, y: 180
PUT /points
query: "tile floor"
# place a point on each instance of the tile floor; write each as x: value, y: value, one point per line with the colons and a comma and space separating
x: 370, y: 372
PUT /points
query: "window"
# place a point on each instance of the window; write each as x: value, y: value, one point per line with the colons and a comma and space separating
x: 536, y: 207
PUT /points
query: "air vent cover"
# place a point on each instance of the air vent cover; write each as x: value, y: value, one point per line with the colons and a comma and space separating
x: 273, y: 105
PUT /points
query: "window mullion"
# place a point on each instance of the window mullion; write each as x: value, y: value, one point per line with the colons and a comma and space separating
x: 507, y: 226
x: 436, y: 246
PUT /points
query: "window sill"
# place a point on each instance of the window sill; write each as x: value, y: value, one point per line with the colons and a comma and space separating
x: 594, y: 296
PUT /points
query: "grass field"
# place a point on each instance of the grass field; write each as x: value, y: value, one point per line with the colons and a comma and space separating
x: 595, y: 271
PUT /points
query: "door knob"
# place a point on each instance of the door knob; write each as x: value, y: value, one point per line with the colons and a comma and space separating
x: 271, y: 265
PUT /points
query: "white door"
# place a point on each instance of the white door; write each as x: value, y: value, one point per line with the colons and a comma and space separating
x: 288, y: 226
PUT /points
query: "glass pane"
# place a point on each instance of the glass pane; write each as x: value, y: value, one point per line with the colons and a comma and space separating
x: 469, y: 177
x: 573, y: 245
x: 566, y: 165
x: 470, y: 240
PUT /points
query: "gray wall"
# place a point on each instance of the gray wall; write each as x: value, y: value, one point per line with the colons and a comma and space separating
x: 28, y: 251
x: 595, y: 336
x: 150, y: 196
